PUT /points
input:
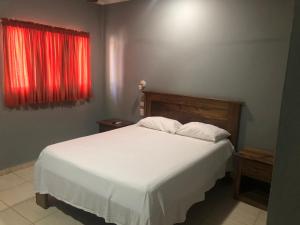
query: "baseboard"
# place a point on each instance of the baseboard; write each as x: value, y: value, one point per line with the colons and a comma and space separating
x: 15, y: 168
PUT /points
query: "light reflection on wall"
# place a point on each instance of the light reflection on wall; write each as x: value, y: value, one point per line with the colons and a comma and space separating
x: 184, y: 17
x: 183, y: 13
x: 115, y: 66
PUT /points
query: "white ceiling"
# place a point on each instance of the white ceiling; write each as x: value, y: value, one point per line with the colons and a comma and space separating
x: 106, y: 2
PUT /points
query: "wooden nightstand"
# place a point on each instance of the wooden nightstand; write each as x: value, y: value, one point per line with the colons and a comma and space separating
x: 111, y: 124
x: 253, y: 176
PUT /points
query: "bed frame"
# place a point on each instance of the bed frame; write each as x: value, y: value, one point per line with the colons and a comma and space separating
x: 221, y: 113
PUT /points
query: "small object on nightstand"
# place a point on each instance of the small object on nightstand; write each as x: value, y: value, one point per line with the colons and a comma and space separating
x: 253, y: 176
x: 111, y: 124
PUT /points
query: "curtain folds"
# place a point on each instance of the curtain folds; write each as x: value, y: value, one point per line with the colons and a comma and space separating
x: 44, y: 64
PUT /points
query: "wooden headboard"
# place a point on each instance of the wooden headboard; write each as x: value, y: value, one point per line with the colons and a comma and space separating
x: 221, y: 113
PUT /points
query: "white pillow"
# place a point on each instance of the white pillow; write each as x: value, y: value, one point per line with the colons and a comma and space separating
x: 160, y: 123
x: 203, y: 131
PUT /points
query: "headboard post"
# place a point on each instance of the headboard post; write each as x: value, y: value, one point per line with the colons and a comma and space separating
x: 221, y: 113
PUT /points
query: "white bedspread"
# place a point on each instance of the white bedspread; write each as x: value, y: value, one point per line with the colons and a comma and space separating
x: 132, y: 175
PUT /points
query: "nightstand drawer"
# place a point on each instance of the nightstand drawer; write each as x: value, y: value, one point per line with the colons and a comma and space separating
x: 257, y: 170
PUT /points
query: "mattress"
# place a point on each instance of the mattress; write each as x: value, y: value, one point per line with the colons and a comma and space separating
x: 132, y: 175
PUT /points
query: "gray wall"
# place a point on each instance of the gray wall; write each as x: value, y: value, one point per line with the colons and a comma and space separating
x: 226, y: 49
x: 24, y: 133
x: 285, y: 195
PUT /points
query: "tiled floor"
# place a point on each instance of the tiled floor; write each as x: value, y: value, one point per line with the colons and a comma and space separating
x: 17, y: 207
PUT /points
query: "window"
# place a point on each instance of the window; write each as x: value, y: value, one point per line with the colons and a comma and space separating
x: 44, y: 64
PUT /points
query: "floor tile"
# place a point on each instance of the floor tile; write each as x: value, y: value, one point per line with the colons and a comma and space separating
x: 9, y: 181
x: 17, y: 194
x: 2, y: 206
x: 58, y: 218
x: 244, y: 214
x: 226, y: 212
x: 10, y: 217
x: 26, y: 173
x: 262, y: 218
x: 226, y: 221
x: 31, y: 211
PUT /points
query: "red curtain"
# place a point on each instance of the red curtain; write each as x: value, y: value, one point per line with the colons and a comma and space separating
x: 44, y: 64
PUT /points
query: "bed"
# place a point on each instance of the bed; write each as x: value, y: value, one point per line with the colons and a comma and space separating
x: 138, y: 176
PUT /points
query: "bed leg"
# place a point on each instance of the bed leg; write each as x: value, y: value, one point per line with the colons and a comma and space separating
x: 42, y: 200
